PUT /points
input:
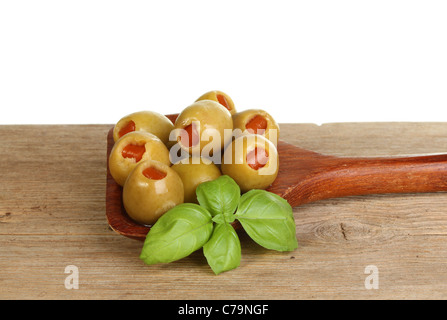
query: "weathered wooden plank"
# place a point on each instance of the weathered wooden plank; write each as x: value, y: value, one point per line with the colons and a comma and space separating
x: 52, y: 214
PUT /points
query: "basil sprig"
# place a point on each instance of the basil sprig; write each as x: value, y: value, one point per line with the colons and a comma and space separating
x: 266, y: 217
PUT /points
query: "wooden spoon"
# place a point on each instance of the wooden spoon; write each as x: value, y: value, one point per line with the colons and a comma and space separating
x: 306, y: 176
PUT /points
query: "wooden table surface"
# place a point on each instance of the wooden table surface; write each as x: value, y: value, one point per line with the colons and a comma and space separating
x: 52, y: 215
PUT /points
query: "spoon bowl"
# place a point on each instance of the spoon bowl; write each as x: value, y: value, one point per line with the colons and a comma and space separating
x: 305, y: 176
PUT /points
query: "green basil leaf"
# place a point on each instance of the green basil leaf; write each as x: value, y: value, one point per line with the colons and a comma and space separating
x: 219, y: 196
x: 178, y: 233
x: 223, y: 250
x: 268, y: 220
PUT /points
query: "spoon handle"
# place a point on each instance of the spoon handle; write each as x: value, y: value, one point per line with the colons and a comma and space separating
x: 340, y: 177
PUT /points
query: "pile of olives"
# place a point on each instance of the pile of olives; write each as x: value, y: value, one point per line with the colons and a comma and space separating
x: 159, y: 163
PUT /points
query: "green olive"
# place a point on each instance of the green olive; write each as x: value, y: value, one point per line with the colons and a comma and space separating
x: 204, y: 125
x: 252, y: 161
x: 257, y: 121
x: 132, y: 148
x: 151, y: 189
x: 221, y: 97
x: 148, y: 121
x: 194, y: 171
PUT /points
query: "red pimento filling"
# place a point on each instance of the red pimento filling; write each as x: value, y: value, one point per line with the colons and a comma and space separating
x: 129, y: 127
x: 189, y: 136
x: 223, y: 101
x: 133, y: 151
x: 154, y: 173
x: 257, y: 158
x: 257, y: 123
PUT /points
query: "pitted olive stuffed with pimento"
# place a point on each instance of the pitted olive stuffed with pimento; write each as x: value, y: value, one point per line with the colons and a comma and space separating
x: 147, y: 121
x: 159, y: 163
x: 252, y: 161
x: 201, y: 124
x: 151, y: 189
x: 257, y: 121
x: 220, y: 97
x: 132, y: 148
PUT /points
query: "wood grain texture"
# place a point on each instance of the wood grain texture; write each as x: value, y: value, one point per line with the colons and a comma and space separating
x: 52, y: 214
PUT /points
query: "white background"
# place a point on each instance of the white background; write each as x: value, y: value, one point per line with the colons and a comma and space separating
x: 303, y: 61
